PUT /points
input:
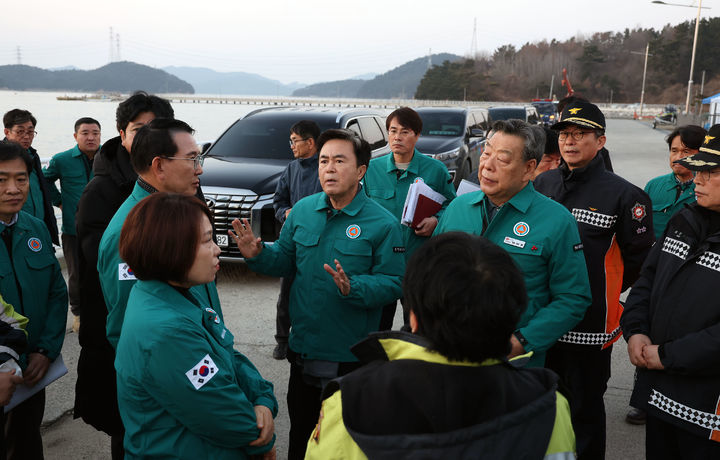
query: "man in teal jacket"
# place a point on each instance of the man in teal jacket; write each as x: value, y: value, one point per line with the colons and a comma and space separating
x: 540, y: 235
x: 31, y: 281
x: 388, y: 179
x: 671, y: 192
x: 347, y: 253
x: 167, y: 159
x: 74, y: 169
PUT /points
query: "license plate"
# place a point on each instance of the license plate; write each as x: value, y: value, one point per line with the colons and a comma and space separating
x: 222, y: 240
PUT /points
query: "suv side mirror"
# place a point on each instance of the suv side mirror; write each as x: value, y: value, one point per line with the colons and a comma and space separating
x: 204, y: 147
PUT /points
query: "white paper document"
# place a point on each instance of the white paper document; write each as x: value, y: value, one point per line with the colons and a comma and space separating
x: 466, y: 187
x: 417, y: 189
x: 56, y: 370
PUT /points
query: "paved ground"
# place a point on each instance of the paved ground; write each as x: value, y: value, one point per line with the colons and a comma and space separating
x: 638, y: 154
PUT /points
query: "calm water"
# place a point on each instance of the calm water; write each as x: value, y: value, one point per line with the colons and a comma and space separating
x: 56, y: 119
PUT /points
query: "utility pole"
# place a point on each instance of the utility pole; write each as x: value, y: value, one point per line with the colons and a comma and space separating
x: 473, y: 43
x: 692, y: 60
x: 552, y: 83
x: 642, y: 91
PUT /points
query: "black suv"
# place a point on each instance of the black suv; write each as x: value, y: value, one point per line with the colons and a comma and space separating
x: 455, y: 136
x: 243, y: 166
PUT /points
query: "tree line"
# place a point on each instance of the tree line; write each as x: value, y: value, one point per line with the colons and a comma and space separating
x: 604, y: 67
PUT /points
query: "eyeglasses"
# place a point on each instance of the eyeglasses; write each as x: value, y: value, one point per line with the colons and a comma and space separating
x: 197, y: 160
x: 577, y: 135
x: 23, y: 133
x: 292, y: 142
x: 707, y: 175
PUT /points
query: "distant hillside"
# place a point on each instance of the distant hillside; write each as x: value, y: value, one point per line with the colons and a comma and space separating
x: 211, y: 82
x: 400, y: 82
x: 339, y: 88
x: 124, y: 77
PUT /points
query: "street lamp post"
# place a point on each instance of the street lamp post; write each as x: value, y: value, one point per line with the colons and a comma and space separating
x: 692, y: 59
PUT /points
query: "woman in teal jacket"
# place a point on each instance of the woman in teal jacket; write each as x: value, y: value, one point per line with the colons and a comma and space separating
x: 183, y: 391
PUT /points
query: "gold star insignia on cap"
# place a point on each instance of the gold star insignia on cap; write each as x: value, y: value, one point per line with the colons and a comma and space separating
x: 708, y: 139
x: 575, y: 110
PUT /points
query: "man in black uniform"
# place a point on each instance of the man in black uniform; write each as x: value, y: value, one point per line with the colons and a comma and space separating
x: 672, y: 323
x: 615, y: 222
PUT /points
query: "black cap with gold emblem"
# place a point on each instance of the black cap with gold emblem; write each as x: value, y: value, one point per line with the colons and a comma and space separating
x: 709, y: 155
x: 581, y: 113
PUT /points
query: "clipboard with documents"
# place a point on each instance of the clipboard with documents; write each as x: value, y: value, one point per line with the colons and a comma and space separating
x: 421, y: 202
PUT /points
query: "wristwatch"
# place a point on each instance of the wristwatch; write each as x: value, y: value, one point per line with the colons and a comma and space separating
x: 42, y: 351
x: 521, y: 338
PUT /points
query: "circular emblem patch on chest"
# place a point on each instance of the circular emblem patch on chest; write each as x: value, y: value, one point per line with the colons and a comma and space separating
x: 521, y: 229
x: 638, y: 212
x: 353, y: 231
x: 418, y: 179
x: 34, y: 244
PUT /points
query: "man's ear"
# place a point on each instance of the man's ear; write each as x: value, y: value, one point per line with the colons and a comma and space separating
x: 413, y: 322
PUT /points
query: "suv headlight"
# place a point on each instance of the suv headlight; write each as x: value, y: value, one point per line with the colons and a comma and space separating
x: 449, y: 155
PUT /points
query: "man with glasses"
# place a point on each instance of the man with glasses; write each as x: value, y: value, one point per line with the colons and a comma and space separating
x: 20, y: 127
x: 671, y: 322
x: 300, y: 179
x: 167, y: 159
x: 616, y: 228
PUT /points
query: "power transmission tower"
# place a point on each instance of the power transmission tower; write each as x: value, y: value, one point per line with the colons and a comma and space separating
x: 110, y: 55
x: 117, y: 55
x: 19, y: 56
x: 429, y: 58
x: 473, y: 43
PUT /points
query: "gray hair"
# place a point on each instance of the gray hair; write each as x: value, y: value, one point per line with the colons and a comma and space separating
x: 532, y: 135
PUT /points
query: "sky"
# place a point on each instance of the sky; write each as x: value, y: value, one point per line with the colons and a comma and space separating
x: 307, y: 42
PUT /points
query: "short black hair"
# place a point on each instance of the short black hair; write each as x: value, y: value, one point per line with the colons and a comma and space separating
x: 692, y: 136
x: 551, y: 141
x: 467, y: 295
x: 407, y: 117
x: 18, y: 117
x: 306, y: 129
x: 10, y: 150
x: 360, y: 145
x: 155, y: 139
x: 138, y: 103
x: 86, y: 121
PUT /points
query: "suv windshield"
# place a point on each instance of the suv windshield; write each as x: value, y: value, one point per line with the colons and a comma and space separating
x: 507, y: 114
x: 260, y: 137
x: 545, y: 108
x: 442, y: 124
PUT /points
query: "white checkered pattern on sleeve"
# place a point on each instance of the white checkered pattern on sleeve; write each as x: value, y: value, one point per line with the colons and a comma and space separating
x: 703, y: 419
x: 594, y: 218
x: 710, y: 260
x: 589, y: 338
x: 675, y: 247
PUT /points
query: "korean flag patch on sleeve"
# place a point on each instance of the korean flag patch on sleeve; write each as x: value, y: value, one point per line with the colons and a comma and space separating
x: 125, y: 273
x: 202, y: 372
